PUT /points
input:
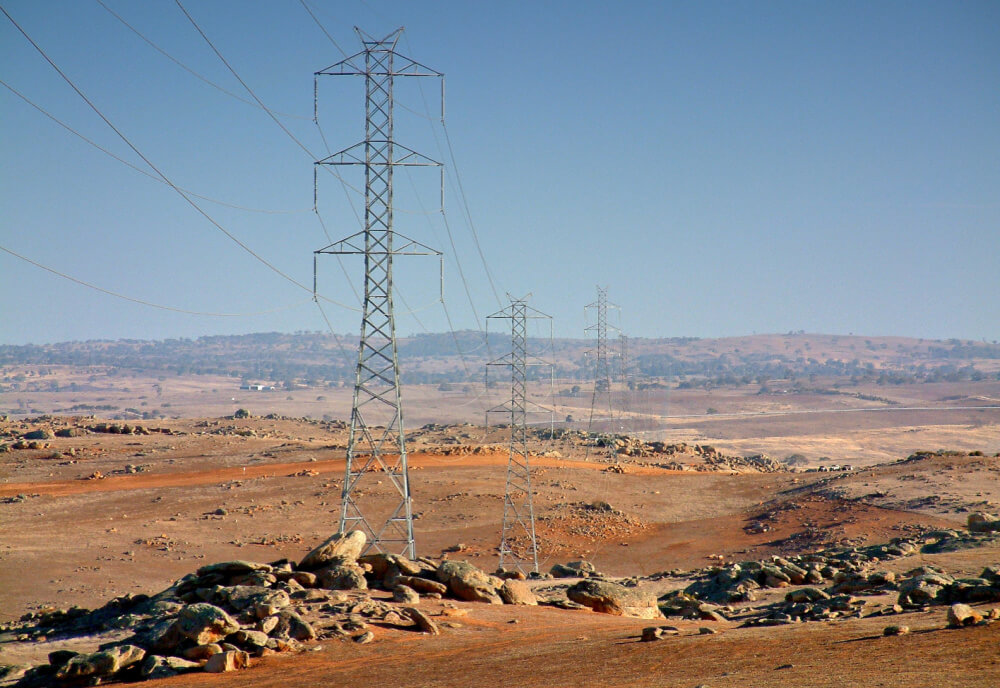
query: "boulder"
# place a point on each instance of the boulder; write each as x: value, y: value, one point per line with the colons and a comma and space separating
x: 205, y: 623
x: 382, y: 562
x: 155, y: 666
x: 405, y: 595
x: 253, y: 641
x: 424, y: 622
x: 233, y: 568
x: 611, y: 598
x: 806, y: 595
x: 238, y: 597
x: 574, y: 569
x: 270, y: 603
x: 339, y: 548
x: 467, y: 582
x: 163, y: 636
x: 232, y: 660
x: 422, y: 585
x: 100, y: 664
x: 518, y: 592
x: 292, y: 626
x: 963, y: 615
x: 895, y: 630
x: 202, y: 652
x: 980, y: 522
x: 342, y: 577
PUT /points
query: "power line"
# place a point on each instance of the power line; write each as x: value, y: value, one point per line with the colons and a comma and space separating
x: 187, y: 69
x: 141, y: 301
x: 287, y: 132
x: 322, y: 28
x: 270, y: 113
x: 148, y: 161
x: 139, y: 169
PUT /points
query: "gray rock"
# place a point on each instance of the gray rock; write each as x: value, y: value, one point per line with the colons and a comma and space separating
x: 611, y: 598
x: 205, y: 623
x: 467, y: 582
x: 271, y: 603
x: 100, y: 664
x: 240, y: 596
x: 247, y: 639
x: 342, y: 577
x: 156, y: 666
x: 339, y: 548
x: 292, y: 626
x: 574, y: 569
x: 806, y: 595
x: 896, y: 630
x: 405, y: 595
x: 233, y: 568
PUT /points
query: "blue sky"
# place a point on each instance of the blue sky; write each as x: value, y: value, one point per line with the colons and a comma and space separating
x: 723, y: 167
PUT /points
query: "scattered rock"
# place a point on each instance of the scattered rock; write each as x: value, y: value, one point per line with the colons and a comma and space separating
x: 963, y: 615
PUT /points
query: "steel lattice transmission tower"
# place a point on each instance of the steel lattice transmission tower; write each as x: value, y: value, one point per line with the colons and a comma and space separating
x: 624, y: 363
x: 377, y: 441
x: 602, y: 366
x: 518, y: 506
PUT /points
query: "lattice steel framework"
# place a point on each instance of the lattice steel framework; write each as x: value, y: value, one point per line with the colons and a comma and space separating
x: 377, y: 441
x: 624, y: 365
x: 518, y: 506
x: 602, y: 366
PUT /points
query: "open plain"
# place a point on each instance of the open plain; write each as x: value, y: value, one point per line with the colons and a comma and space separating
x: 117, y: 483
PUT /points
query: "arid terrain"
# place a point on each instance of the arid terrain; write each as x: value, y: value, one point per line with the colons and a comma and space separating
x: 96, y: 507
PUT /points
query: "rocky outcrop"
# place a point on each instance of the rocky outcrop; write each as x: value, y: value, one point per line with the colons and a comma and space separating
x: 611, y: 598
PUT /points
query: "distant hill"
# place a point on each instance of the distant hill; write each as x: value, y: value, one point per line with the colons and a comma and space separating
x: 320, y: 359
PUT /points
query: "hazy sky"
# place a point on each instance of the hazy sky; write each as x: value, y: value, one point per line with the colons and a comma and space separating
x: 723, y: 167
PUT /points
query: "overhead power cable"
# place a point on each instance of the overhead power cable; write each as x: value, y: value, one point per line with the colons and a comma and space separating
x: 139, y: 169
x: 249, y: 90
x: 141, y: 301
x: 187, y: 69
x: 287, y: 132
x: 322, y: 28
x: 146, y: 160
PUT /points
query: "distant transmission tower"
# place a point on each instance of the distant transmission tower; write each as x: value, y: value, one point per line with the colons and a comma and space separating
x: 602, y: 367
x: 377, y: 441
x: 518, y: 507
x: 624, y: 362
